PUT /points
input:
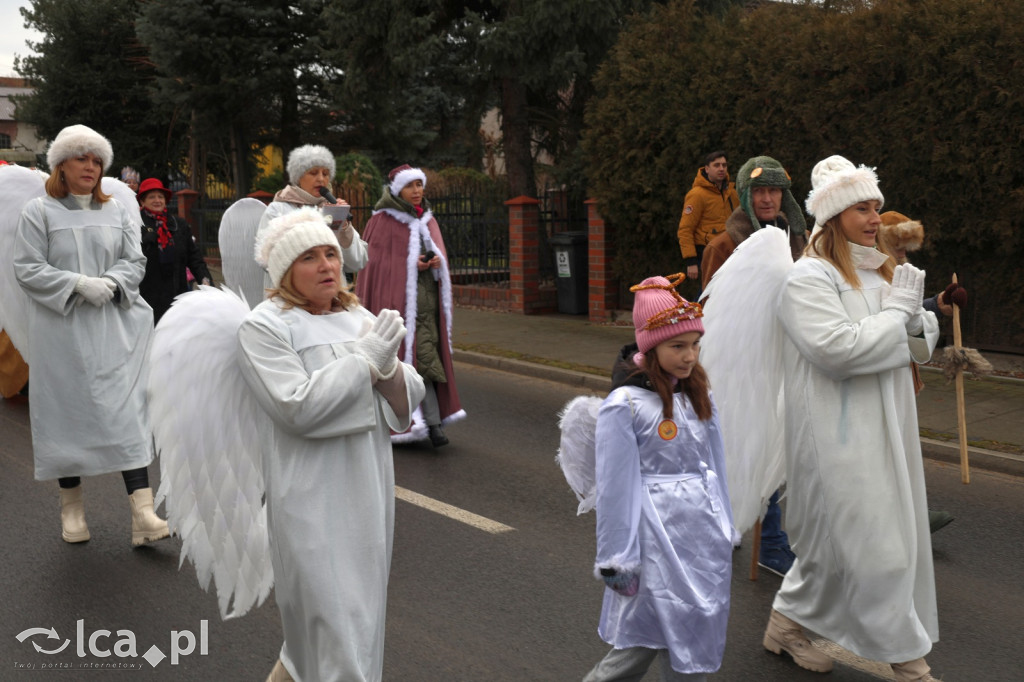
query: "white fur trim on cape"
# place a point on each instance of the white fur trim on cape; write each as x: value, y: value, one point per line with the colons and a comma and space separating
x: 418, y: 431
x: 419, y: 229
x: 403, y: 178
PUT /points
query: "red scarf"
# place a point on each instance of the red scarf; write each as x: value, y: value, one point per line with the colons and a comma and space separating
x: 164, y: 237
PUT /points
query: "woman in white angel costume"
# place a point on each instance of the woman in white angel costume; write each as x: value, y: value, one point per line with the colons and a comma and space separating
x: 664, y: 525
x: 77, y: 258
x: 857, y: 512
x: 309, y: 393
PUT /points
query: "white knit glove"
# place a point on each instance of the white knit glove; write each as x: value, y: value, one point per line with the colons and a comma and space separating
x: 95, y: 290
x: 380, y: 344
x: 907, y: 292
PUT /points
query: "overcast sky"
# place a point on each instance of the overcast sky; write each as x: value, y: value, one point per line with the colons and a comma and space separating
x: 13, y: 35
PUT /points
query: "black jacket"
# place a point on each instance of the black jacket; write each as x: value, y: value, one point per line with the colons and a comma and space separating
x: 164, y: 281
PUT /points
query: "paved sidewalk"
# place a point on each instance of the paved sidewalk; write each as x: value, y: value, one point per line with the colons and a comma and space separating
x: 570, y: 349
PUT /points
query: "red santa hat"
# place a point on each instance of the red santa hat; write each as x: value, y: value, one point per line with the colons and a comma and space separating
x: 399, y: 177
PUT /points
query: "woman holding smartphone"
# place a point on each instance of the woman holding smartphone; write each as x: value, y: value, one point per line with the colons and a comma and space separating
x: 408, y: 272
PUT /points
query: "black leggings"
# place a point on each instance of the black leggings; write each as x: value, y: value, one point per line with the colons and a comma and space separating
x: 134, y: 479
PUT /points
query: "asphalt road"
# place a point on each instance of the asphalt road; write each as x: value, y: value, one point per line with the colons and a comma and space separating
x: 495, y: 586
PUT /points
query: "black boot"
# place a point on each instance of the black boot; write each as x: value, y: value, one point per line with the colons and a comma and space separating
x: 437, y: 437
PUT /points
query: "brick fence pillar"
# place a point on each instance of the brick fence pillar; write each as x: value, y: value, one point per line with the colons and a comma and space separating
x: 186, y: 200
x: 604, y: 288
x: 524, y: 254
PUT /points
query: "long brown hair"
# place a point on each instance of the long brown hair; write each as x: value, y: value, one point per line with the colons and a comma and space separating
x: 287, y: 292
x: 695, y: 387
x: 831, y: 244
x: 58, y: 189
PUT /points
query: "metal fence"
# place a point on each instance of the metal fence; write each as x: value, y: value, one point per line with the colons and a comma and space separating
x: 473, y: 220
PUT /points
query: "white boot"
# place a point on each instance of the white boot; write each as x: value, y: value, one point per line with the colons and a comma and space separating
x: 146, y: 525
x: 72, y: 515
x: 786, y: 635
x: 913, y: 671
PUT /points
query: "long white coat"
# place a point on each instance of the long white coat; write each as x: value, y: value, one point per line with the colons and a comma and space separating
x: 857, y: 513
x: 663, y: 509
x: 329, y: 479
x: 88, y: 372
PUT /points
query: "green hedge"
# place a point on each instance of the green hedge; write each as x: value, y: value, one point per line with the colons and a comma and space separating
x: 928, y: 91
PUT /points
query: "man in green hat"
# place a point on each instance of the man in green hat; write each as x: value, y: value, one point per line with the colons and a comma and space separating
x: 763, y: 187
x: 765, y: 201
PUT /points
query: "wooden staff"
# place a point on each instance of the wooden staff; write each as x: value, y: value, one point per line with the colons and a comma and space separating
x: 961, y: 414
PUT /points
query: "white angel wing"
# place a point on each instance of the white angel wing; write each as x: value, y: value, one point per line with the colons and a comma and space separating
x: 124, y: 195
x: 17, y: 186
x: 742, y: 354
x: 237, y: 238
x: 209, y: 433
x: 576, y: 456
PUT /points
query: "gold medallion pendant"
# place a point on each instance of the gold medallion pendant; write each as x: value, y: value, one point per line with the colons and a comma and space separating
x: 667, y: 429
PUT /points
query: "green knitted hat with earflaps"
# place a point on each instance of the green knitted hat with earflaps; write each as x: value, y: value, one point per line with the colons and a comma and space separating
x: 764, y: 171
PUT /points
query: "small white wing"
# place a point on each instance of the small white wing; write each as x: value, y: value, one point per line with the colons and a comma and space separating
x: 577, y: 448
x: 237, y: 238
x: 209, y: 433
x: 17, y: 186
x: 742, y: 354
x: 125, y: 196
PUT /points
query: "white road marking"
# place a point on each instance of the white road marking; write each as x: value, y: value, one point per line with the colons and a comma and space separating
x: 882, y: 671
x: 469, y: 518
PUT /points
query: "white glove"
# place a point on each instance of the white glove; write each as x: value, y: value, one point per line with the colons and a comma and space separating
x: 907, y: 291
x: 96, y: 290
x: 380, y: 344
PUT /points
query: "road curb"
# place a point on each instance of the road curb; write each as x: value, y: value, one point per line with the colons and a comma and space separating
x: 979, y: 458
x: 585, y: 380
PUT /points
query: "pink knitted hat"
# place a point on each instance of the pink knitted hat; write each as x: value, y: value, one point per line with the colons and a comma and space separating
x: 659, y: 312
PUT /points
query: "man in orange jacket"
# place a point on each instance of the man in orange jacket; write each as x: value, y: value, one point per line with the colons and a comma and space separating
x: 708, y: 203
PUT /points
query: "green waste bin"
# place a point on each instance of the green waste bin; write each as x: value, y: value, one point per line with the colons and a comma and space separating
x: 572, y: 279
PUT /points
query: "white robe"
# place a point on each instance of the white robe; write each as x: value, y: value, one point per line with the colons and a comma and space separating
x: 857, y: 513
x: 663, y: 509
x: 88, y: 372
x: 329, y: 479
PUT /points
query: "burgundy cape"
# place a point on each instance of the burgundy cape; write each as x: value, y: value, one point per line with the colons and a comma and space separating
x: 389, y: 281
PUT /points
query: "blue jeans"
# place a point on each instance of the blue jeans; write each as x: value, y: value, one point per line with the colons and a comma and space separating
x: 772, y: 535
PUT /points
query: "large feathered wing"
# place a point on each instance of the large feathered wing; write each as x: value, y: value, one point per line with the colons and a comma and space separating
x: 125, y: 196
x: 237, y: 239
x: 576, y: 448
x: 742, y: 354
x: 17, y: 186
x: 209, y: 433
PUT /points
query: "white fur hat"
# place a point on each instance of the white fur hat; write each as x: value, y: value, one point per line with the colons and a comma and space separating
x: 309, y: 156
x: 837, y: 185
x: 79, y: 139
x: 288, y: 237
x: 399, y: 177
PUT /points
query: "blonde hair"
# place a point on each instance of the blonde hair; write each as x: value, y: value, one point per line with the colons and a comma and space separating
x: 286, y: 291
x: 831, y: 244
x: 58, y: 189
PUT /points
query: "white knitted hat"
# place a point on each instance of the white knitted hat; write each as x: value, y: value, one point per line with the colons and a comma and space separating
x: 837, y: 185
x: 79, y: 139
x: 309, y: 156
x: 288, y: 237
x: 402, y: 176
